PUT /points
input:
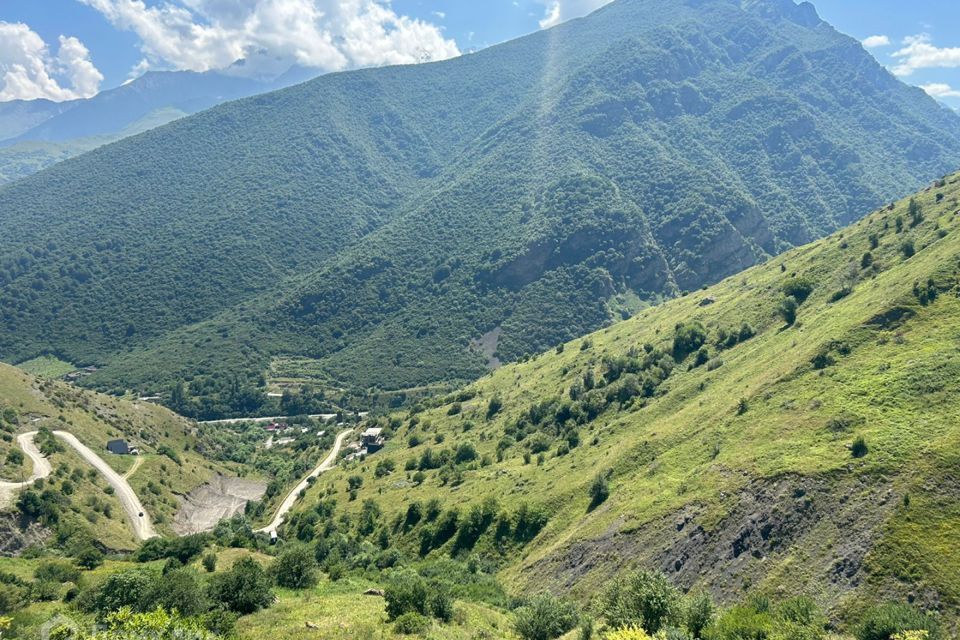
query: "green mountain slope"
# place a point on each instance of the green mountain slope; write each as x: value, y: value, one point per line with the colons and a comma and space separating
x: 708, y: 438
x: 375, y: 223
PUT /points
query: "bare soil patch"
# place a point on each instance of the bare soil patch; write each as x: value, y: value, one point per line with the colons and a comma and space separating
x: 220, y: 498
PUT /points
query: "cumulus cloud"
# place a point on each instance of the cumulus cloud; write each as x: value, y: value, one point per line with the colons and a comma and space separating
x: 558, y: 11
x: 200, y: 35
x: 918, y: 52
x: 876, y: 41
x: 29, y: 70
x: 941, y: 90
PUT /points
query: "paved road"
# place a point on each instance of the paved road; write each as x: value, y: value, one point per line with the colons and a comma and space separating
x: 328, y: 463
x: 41, y: 468
x: 139, y: 518
x: 315, y: 416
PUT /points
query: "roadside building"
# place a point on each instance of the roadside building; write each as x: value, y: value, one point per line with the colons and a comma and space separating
x: 118, y: 447
x: 372, y: 439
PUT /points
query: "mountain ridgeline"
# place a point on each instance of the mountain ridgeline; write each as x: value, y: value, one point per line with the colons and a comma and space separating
x: 382, y: 227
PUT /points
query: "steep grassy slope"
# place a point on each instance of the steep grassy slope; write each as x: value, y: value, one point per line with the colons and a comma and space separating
x: 28, y: 404
x: 709, y: 438
x: 533, y: 187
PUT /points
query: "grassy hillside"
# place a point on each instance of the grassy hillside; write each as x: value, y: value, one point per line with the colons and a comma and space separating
x: 709, y: 438
x: 168, y: 466
x: 372, y: 224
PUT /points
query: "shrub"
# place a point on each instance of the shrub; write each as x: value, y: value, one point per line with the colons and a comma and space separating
x: 687, y: 338
x: 797, y: 288
x: 822, y: 360
x: 123, y: 589
x: 296, y: 568
x: 859, y: 447
x: 699, y: 614
x: 494, y: 406
x: 465, y: 452
x: 884, y: 621
x: 544, y: 618
x: 210, y: 562
x: 840, y: 294
x: 703, y: 355
x: 741, y: 622
x: 179, y: 590
x: 642, y: 598
x: 627, y: 633
x: 599, y: 490
x: 411, y: 623
x: 907, y: 248
x: 244, y: 589
x: 405, y: 593
x: 56, y: 571
x: 788, y: 309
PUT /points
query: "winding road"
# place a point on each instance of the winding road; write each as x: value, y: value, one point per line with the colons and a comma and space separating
x: 139, y: 519
x: 328, y: 463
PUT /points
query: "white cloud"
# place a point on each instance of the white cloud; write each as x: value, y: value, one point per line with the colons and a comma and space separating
x: 558, y: 11
x: 876, y: 41
x: 331, y: 35
x: 919, y: 53
x: 941, y: 90
x: 28, y: 69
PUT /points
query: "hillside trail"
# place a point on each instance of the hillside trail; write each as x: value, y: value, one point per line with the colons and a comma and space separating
x: 139, y: 520
x: 136, y: 465
x: 328, y: 463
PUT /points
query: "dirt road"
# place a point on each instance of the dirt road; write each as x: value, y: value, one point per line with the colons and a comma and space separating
x: 41, y: 469
x: 139, y: 519
x: 328, y: 463
x: 133, y: 469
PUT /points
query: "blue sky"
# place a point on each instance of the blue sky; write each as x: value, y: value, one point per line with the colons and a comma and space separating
x: 72, y: 48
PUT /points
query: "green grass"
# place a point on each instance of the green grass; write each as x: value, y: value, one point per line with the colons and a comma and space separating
x: 47, y: 367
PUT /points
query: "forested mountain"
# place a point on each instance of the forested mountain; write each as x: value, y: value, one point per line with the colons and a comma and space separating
x: 373, y: 224
x: 35, y: 134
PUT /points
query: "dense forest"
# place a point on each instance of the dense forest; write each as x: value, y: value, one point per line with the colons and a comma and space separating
x: 381, y: 224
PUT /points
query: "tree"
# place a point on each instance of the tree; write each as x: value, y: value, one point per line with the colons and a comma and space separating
x: 123, y: 589
x: 907, y: 248
x: 642, y: 598
x: 915, y: 211
x: 244, y: 589
x: 296, y: 568
x: 180, y: 590
x: 406, y: 592
x: 544, y: 618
